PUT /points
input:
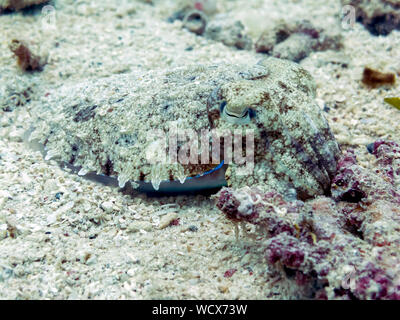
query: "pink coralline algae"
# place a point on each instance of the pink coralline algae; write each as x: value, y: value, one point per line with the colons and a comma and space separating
x: 229, y: 273
x: 341, y: 247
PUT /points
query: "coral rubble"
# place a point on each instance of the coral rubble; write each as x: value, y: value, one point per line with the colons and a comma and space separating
x: 344, y: 247
x: 230, y: 32
x: 380, y: 17
x: 295, y: 41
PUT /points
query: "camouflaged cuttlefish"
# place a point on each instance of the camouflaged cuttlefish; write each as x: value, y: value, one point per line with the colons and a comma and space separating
x: 117, y: 126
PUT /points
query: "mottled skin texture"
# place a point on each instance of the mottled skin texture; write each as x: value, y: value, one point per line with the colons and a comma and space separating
x: 293, y: 144
x: 108, y: 125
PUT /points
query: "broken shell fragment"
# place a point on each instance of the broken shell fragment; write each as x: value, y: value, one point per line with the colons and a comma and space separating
x: 296, y: 40
x: 395, y: 102
x: 195, y: 21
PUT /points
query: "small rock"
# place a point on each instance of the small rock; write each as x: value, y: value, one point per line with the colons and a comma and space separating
x: 223, y: 288
x: 91, y: 261
x: 166, y: 220
x: 136, y: 226
x: 16, y: 135
x: 195, y: 21
x: 295, y: 48
x: 108, y: 207
x: 193, y: 228
x: 229, y: 32
x: 131, y: 272
x: 51, y: 219
x: 58, y: 195
x: 245, y: 260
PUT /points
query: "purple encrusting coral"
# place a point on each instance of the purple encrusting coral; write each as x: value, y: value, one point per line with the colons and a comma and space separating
x: 353, y: 183
x: 342, y: 247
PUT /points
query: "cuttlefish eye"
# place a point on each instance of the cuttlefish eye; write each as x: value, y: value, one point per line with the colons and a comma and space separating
x: 239, y: 101
x: 241, y: 115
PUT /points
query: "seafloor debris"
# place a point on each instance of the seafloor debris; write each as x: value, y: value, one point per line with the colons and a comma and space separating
x: 380, y: 17
x: 343, y: 249
x: 219, y: 27
x: 230, y: 32
x: 121, y: 125
x: 18, y: 4
x: 393, y: 101
x: 295, y: 41
x: 167, y: 220
x: 352, y: 179
x: 195, y: 21
x: 374, y: 78
x: 26, y: 59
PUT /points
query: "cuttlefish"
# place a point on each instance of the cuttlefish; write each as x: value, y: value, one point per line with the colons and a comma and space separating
x: 194, y: 127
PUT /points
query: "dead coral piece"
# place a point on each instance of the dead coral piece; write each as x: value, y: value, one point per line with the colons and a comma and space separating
x: 297, y: 47
x: 380, y: 17
x: 281, y: 31
x: 386, y: 177
x: 296, y: 41
x: 230, y: 32
x: 19, y: 4
x: 220, y: 28
x: 374, y: 78
x: 26, y: 59
x: 327, y: 249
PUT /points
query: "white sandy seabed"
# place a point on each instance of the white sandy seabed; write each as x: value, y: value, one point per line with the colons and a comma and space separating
x: 63, y: 237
